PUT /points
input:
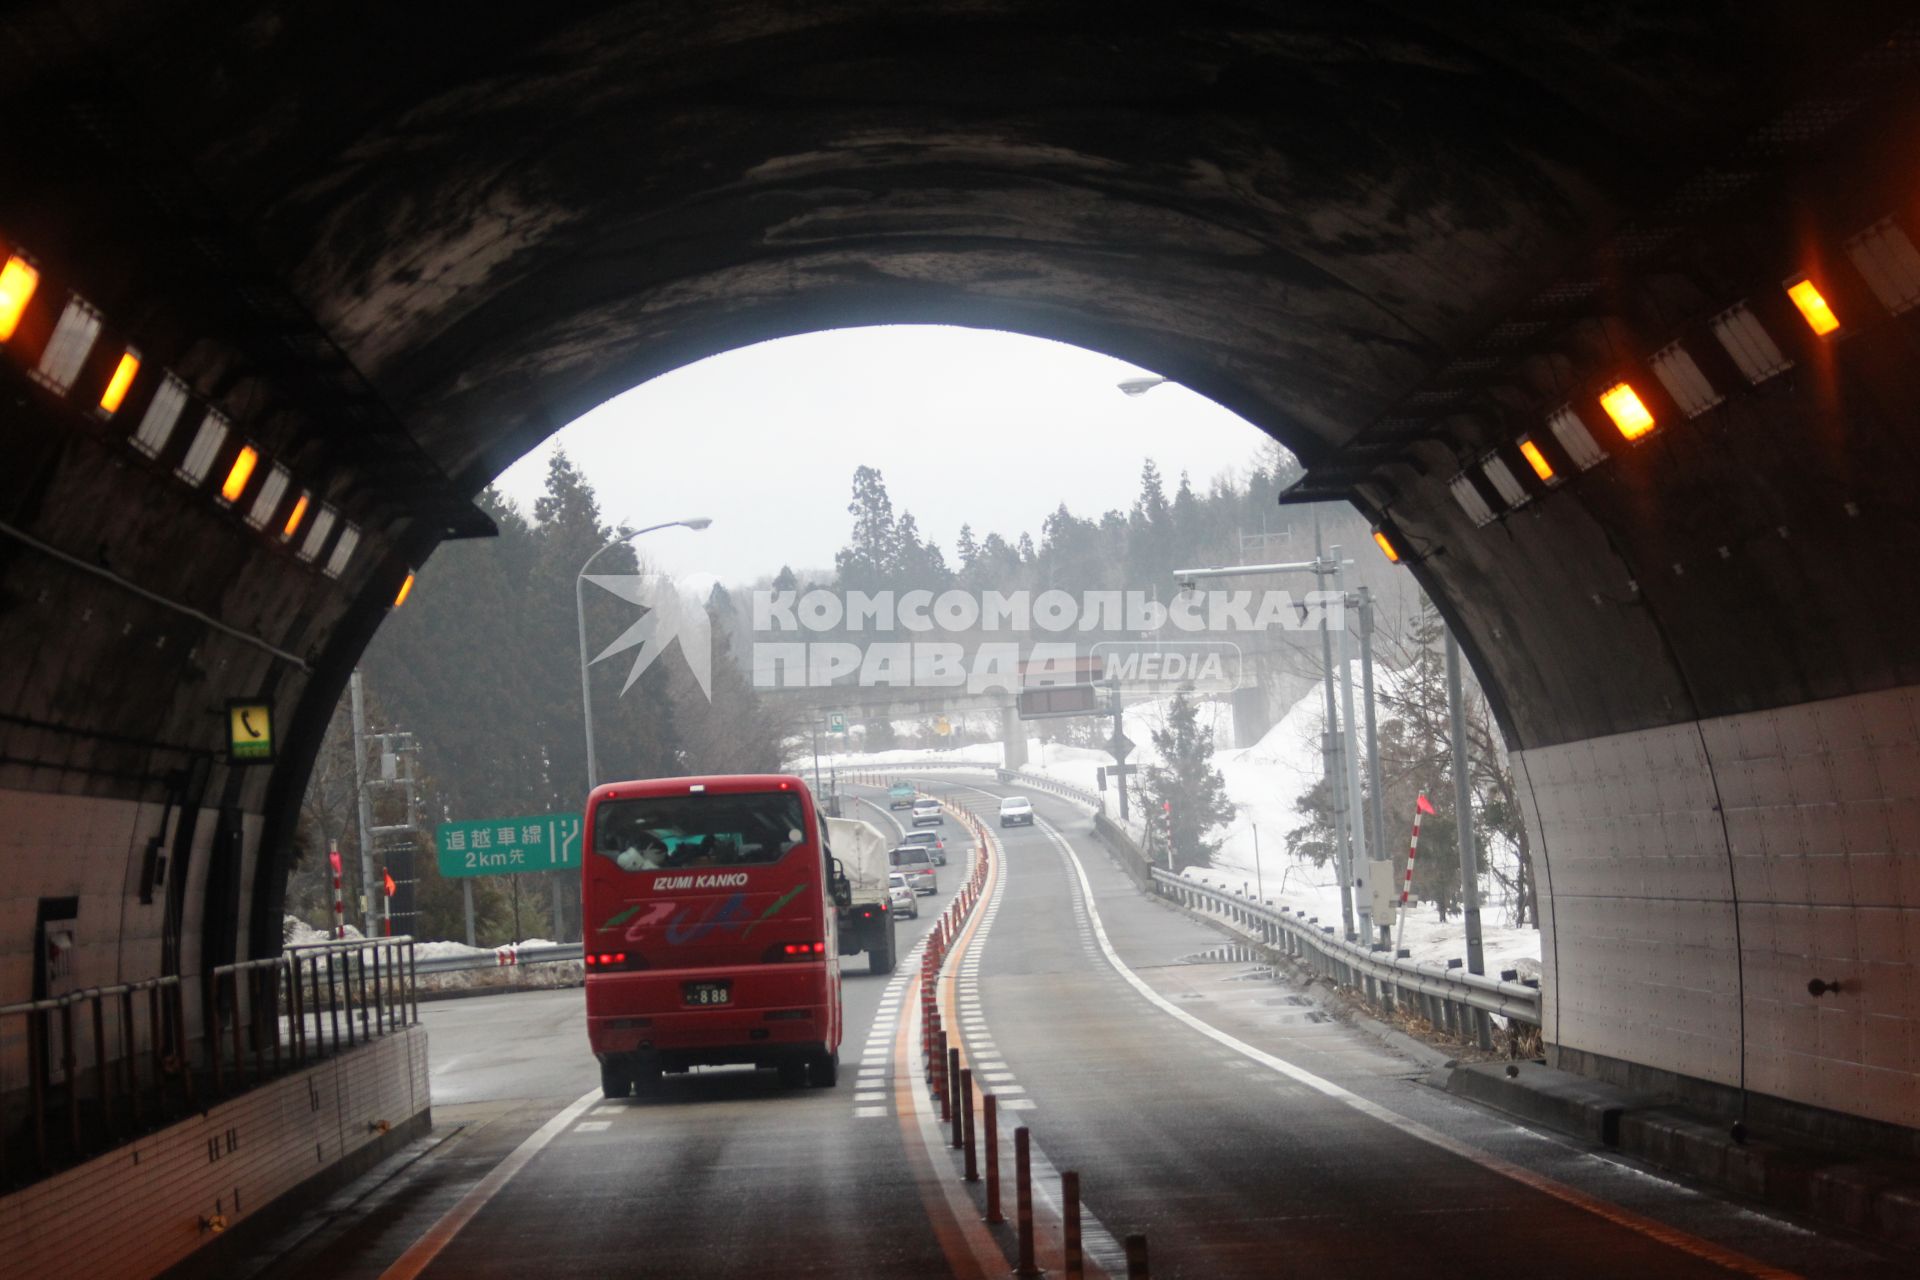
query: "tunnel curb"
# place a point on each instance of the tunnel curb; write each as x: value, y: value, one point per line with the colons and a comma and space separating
x: 1879, y: 1198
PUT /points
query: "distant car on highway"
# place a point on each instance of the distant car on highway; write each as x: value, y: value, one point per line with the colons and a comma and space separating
x: 935, y: 843
x: 901, y: 795
x: 916, y: 864
x: 926, y: 812
x: 900, y: 894
x: 1016, y: 811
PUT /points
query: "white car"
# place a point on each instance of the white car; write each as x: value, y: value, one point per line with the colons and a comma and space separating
x: 901, y: 897
x: 927, y: 813
x: 1016, y: 811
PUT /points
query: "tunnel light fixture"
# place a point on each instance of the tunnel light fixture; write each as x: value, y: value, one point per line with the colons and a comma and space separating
x: 1504, y: 482
x: 120, y: 383
x: 1624, y: 406
x: 1387, y: 549
x: 317, y: 530
x: 1536, y: 459
x: 18, y: 280
x: 267, y: 501
x: 343, y: 551
x: 1888, y: 262
x: 73, y: 337
x: 1468, y: 496
x: 205, y: 448
x: 1749, y: 344
x: 298, y: 514
x: 239, y: 473
x: 163, y: 413
x: 1571, y: 431
x: 406, y: 589
x: 1678, y: 373
x: 1813, y: 305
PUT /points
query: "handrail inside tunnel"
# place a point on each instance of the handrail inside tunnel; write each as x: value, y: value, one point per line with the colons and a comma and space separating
x: 104, y: 1065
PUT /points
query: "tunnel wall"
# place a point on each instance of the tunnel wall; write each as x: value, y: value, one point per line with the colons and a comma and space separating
x: 92, y: 849
x: 1695, y: 877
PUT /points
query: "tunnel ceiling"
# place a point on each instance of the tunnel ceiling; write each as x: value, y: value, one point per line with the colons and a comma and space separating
x: 505, y: 216
x: 400, y: 244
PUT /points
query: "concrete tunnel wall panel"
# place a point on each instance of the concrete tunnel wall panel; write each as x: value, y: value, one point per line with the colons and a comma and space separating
x: 1668, y: 929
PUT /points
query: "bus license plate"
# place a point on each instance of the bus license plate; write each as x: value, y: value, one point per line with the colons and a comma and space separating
x: 708, y: 993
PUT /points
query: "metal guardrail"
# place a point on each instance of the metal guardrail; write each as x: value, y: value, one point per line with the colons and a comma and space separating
x: 1443, y: 991
x: 501, y: 958
x: 1065, y: 790
x: 105, y: 1064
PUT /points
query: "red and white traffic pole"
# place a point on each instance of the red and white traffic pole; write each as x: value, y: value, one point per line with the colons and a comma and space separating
x: 339, y: 907
x: 1420, y: 805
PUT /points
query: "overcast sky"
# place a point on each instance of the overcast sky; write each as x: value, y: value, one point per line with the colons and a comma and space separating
x: 967, y: 425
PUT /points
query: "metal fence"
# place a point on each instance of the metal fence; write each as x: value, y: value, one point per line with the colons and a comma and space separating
x: 106, y: 1064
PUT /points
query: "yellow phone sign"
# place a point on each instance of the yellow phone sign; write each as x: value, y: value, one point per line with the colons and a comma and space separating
x: 249, y: 731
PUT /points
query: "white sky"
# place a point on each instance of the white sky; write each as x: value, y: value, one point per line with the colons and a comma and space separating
x: 967, y: 425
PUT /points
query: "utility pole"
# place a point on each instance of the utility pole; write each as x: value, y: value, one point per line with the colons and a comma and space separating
x: 1330, y: 752
x: 1361, y: 869
x: 1463, y: 813
x: 1375, y: 810
x: 1121, y: 772
x: 363, y: 808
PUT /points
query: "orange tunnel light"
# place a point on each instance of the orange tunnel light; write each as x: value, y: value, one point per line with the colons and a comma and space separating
x: 406, y: 589
x: 1386, y: 546
x: 1813, y: 307
x: 1623, y: 405
x: 293, y: 521
x: 123, y: 374
x: 17, y: 283
x: 241, y: 472
x: 1536, y: 459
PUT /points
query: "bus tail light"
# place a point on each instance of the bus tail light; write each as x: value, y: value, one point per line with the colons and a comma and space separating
x: 614, y: 960
x: 781, y: 951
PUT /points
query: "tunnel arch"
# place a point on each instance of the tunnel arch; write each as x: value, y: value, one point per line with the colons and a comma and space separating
x: 393, y: 256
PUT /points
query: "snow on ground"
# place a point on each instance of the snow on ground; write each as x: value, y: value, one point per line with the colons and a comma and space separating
x: 1264, y: 781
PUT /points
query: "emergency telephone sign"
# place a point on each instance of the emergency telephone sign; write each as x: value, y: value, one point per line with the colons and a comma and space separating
x: 249, y: 731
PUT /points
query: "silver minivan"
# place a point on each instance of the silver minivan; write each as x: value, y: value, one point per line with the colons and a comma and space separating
x: 916, y: 864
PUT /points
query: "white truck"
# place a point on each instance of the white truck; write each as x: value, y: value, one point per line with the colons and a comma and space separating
x: 860, y: 853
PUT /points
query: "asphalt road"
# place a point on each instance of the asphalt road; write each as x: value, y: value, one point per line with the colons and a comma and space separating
x: 1203, y: 1101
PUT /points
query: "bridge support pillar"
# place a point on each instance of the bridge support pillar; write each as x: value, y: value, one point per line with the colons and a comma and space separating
x: 1013, y: 738
x: 1252, y: 715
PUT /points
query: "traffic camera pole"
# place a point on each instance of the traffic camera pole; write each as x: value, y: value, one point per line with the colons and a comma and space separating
x: 1360, y: 869
x: 1375, y: 808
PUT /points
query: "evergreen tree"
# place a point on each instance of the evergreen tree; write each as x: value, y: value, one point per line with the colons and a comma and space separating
x: 965, y: 548
x: 1187, y: 797
x: 874, y: 554
x: 786, y: 580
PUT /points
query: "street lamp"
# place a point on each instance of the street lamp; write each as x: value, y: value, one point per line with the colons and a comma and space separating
x: 1140, y: 386
x: 580, y: 613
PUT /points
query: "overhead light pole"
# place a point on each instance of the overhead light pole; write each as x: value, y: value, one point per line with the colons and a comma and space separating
x: 1140, y: 386
x: 580, y: 614
x: 1341, y: 760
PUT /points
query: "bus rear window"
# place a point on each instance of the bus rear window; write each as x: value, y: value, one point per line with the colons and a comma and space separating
x: 656, y: 833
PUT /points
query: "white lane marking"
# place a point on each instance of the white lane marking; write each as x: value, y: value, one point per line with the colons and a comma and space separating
x: 868, y: 1113
x: 877, y: 1095
x: 1028, y: 1104
x: 592, y: 1126
x: 1653, y: 1229
x: 441, y: 1233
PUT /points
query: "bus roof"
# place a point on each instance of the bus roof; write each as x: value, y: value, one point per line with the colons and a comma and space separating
x: 719, y: 782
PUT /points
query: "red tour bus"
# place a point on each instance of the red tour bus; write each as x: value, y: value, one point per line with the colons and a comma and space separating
x: 710, y: 930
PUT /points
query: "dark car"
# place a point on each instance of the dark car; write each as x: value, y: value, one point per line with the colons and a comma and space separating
x: 935, y: 844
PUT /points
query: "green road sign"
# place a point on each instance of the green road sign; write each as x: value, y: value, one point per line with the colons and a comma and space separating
x: 836, y: 722
x: 500, y: 846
